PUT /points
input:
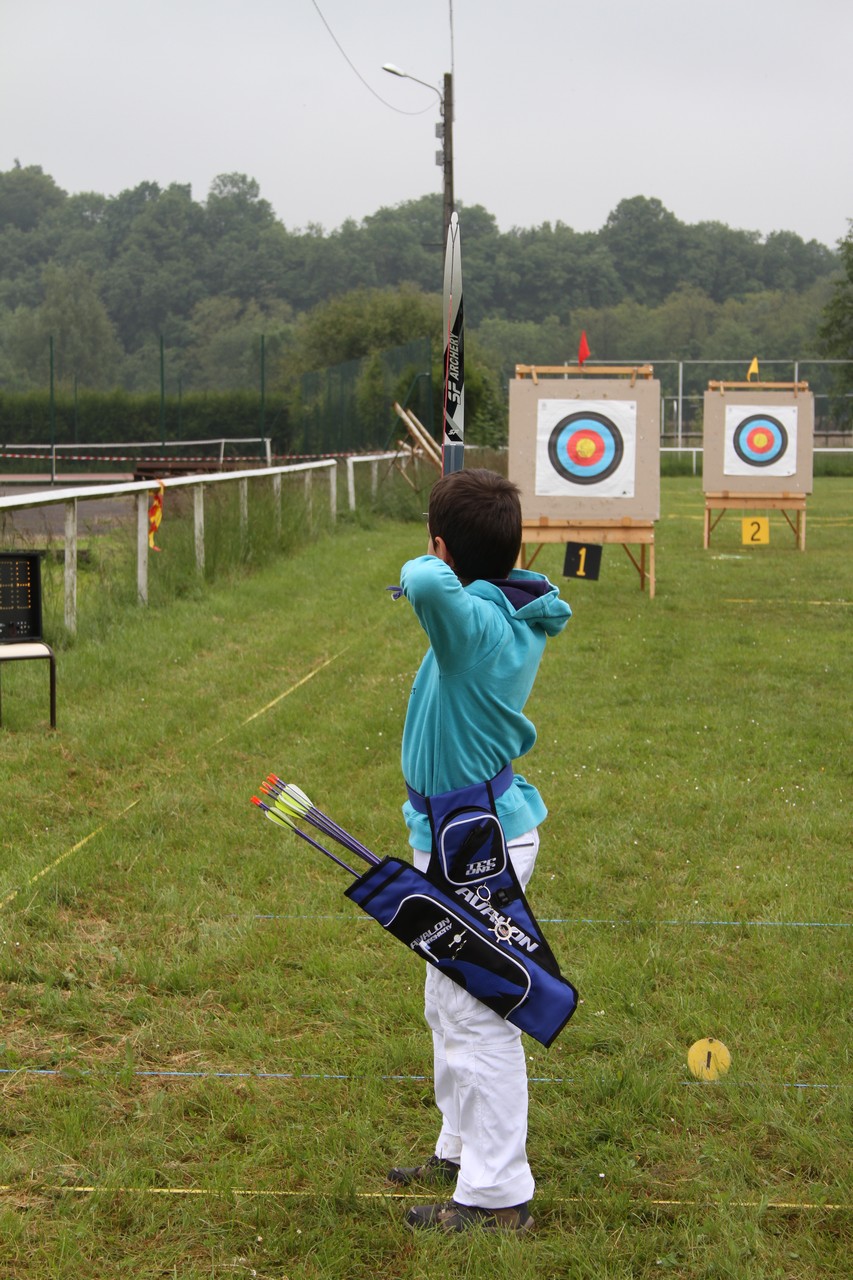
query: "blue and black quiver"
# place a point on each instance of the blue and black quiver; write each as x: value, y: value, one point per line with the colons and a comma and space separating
x: 468, y: 916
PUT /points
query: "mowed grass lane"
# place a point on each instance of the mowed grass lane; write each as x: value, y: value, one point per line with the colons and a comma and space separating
x: 210, y: 1058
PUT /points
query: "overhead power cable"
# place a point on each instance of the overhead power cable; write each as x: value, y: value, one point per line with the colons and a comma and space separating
x: 355, y: 69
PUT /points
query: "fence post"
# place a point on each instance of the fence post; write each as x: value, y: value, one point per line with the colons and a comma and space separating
x: 351, y: 483
x: 276, y: 503
x: 333, y: 490
x: 243, y: 489
x: 309, y: 495
x: 142, y: 547
x: 680, y: 400
x: 198, y: 524
x: 52, y: 420
x: 71, y: 565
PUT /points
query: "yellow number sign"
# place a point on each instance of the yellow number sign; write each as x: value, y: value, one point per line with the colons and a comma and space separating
x: 755, y: 531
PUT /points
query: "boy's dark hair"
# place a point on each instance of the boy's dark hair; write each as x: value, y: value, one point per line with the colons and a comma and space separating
x: 478, y: 514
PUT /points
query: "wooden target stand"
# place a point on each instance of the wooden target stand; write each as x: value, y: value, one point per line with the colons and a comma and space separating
x: 790, y: 504
x: 625, y: 531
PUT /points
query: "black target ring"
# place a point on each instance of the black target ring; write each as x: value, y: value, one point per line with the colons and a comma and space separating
x: 760, y: 440
x: 585, y: 447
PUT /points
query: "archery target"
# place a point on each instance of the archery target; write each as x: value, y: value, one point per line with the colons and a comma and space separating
x: 760, y: 440
x: 586, y: 448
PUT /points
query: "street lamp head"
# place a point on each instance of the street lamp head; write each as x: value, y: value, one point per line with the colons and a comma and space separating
x: 394, y: 70
x: 444, y: 131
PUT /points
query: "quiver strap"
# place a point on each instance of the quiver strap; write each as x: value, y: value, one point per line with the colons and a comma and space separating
x: 470, y: 860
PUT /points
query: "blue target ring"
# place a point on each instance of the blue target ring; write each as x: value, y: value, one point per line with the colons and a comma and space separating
x: 760, y: 440
x: 585, y: 447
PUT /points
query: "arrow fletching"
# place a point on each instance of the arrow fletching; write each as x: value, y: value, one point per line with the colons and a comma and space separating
x: 292, y: 803
x: 274, y: 816
x: 284, y: 820
x: 286, y: 806
x: 296, y: 800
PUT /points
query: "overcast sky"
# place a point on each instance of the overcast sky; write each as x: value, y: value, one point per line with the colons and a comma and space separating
x: 737, y: 111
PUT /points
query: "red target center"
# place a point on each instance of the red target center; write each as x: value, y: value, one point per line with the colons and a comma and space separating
x: 585, y: 448
x: 760, y: 440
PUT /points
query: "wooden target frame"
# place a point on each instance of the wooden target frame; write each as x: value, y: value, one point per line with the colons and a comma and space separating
x: 584, y: 450
x: 758, y: 448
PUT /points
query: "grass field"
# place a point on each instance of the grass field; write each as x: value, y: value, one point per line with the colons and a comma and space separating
x: 210, y: 1058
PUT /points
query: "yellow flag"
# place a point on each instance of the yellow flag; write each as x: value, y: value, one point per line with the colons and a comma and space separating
x: 753, y: 369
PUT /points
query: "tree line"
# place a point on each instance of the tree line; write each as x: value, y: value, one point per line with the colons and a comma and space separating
x: 233, y: 294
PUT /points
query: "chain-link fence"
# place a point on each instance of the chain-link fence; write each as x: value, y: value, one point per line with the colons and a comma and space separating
x: 684, y: 382
x: 348, y: 407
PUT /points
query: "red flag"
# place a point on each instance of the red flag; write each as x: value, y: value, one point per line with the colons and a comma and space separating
x: 583, y: 349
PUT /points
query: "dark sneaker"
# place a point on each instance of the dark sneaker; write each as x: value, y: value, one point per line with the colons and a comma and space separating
x: 462, y: 1217
x: 435, y: 1172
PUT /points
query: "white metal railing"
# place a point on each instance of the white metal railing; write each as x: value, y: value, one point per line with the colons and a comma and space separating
x: 696, y: 449
x: 374, y: 459
x: 141, y: 489
x: 683, y: 448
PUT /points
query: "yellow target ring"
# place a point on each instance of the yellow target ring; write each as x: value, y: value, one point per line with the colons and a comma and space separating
x: 708, y: 1059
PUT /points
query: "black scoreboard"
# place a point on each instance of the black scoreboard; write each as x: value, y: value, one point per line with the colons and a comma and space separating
x: 20, y: 596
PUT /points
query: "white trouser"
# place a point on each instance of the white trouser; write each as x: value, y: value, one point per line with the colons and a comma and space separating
x: 481, y: 1079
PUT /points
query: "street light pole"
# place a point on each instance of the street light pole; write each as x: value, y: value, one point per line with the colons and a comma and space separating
x: 445, y: 156
x: 444, y: 130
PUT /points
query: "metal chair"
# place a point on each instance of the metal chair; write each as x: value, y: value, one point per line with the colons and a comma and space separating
x: 22, y: 652
x: 20, y: 616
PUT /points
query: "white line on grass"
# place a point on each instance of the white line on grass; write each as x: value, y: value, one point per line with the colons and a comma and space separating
x: 10, y: 897
x: 683, y: 924
x: 287, y: 692
x: 46, y: 1188
x: 163, y: 1073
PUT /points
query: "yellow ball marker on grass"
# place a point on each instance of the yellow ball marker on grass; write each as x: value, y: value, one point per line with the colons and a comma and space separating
x: 708, y: 1059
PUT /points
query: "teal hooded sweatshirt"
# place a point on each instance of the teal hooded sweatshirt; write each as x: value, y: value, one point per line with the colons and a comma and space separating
x: 465, y: 720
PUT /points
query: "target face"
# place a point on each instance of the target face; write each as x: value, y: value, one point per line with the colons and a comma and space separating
x: 760, y: 441
x: 586, y: 448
